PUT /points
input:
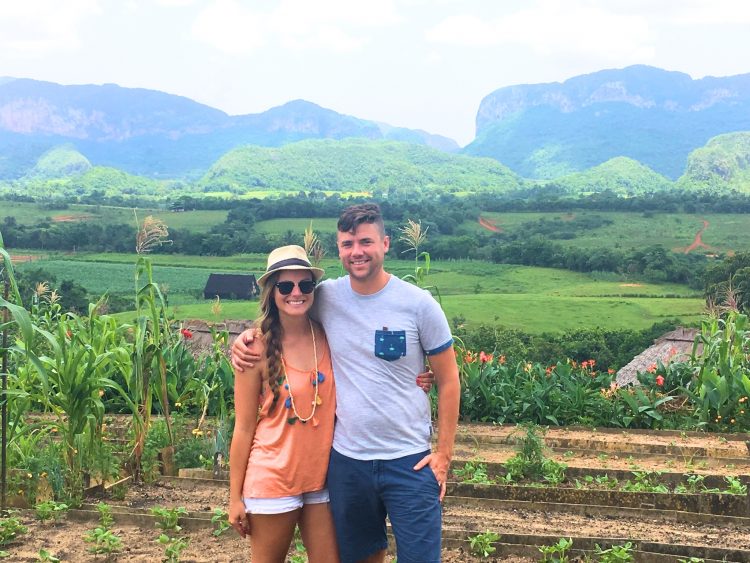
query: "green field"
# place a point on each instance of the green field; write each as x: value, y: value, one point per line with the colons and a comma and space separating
x: 32, y: 213
x: 531, y: 299
x: 634, y: 230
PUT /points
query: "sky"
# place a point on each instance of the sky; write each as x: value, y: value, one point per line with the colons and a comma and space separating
x: 422, y: 64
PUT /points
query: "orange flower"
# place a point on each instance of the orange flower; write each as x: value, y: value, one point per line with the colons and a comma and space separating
x: 470, y: 358
x: 485, y: 358
x: 610, y: 371
x: 651, y: 368
x: 501, y: 360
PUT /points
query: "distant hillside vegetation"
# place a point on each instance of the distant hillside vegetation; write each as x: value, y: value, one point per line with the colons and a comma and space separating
x: 620, y: 175
x: 60, y: 162
x: 354, y: 165
x: 158, y: 134
x: 644, y: 113
x: 723, y: 163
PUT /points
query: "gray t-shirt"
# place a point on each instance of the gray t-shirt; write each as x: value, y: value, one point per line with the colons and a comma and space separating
x: 378, y: 346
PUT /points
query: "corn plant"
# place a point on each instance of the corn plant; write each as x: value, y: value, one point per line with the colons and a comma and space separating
x: 414, y: 237
x: 71, y: 376
x: 147, y: 376
x: 723, y: 384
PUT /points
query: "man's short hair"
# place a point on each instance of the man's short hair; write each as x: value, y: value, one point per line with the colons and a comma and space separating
x: 354, y: 215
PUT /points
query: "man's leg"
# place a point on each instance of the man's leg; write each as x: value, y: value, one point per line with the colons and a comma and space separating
x: 358, y: 512
x: 412, y: 501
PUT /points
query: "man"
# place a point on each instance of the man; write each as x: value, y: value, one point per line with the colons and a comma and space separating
x: 380, y: 329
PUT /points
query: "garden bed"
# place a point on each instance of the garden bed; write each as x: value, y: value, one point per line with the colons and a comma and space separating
x: 661, y: 526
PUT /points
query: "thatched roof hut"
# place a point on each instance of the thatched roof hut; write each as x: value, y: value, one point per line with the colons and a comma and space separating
x: 672, y: 346
x: 199, y: 340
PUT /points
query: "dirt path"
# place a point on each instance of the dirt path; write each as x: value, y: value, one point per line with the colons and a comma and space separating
x: 698, y: 241
x: 489, y: 225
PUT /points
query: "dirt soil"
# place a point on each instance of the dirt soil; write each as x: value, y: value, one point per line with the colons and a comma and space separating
x: 592, y: 449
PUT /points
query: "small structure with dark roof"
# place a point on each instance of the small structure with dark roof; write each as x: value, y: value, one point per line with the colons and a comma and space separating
x: 674, y: 346
x: 231, y: 286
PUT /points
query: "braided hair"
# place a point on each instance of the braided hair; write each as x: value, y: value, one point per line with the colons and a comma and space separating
x: 270, y: 325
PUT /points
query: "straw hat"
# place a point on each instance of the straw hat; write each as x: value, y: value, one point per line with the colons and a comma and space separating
x: 290, y: 257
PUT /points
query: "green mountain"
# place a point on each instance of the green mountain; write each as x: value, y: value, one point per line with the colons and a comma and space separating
x: 354, y: 165
x: 60, y: 162
x: 644, y: 113
x: 723, y: 163
x: 97, y: 179
x: 620, y: 175
x: 158, y: 134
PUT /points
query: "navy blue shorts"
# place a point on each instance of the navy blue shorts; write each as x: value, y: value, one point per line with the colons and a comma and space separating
x: 364, y: 492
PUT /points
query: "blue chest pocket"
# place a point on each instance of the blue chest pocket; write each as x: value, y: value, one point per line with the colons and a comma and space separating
x: 390, y: 345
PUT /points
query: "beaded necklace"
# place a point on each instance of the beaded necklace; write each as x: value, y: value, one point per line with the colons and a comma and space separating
x: 318, y: 377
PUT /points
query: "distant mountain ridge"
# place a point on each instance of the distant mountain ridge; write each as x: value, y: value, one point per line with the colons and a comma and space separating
x: 651, y: 115
x: 157, y: 134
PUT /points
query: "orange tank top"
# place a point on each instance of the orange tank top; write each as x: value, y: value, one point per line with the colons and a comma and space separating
x: 288, y: 456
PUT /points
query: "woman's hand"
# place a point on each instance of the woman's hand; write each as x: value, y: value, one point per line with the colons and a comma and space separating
x: 238, y: 518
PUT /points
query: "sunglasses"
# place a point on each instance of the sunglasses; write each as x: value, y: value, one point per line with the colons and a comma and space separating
x: 286, y: 287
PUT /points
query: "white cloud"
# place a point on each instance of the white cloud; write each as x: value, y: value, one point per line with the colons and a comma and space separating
x: 553, y: 27
x: 35, y: 28
x: 230, y: 27
x: 686, y: 12
x: 334, y: 25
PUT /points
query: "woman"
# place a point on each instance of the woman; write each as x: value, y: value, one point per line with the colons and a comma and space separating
x: 284, y: 409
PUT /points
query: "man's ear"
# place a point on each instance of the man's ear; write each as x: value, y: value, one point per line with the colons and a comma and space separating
x: 387, y: 243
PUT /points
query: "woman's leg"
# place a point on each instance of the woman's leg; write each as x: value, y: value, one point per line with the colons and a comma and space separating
x: 318, y: 534
x: 271, y: 535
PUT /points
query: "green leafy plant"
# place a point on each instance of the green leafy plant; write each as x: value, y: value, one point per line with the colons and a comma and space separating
x: 47, y: 556
x: 473, y: 472
x: 220, y: 519
x: 300, y: 553
x: 10, y: 529
x: 645, y: 482
x: 167, y: 518
x: 172, y: 547
x: 104, y: 540
x: 557, y: 553
x: 50, y: 510
x: 481, y: 544
x: 615, y: 553
x: 735, y: 486
x: 530, y: 461
x: 106, y: 519
x: 694, y: 484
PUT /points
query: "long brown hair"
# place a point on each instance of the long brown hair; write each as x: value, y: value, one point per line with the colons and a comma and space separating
x: 270, y: 325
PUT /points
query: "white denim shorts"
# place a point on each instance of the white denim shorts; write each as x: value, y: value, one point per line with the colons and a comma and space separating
x: 284, y: 504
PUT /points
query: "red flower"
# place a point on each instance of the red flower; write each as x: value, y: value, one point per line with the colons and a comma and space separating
x: 186, y: 334
x: 660, y: 380
x: 485, y: 358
